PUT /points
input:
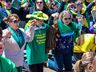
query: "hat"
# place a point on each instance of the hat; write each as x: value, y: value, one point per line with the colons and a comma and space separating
x: 38, y: 15
x: 89, y: 0
x: 46, y: 1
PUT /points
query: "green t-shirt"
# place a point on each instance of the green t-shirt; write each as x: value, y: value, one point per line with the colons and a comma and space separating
x: 7, y: 65
x: 36, y: 49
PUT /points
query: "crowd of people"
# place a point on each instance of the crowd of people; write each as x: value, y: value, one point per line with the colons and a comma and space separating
x: 67, y: 28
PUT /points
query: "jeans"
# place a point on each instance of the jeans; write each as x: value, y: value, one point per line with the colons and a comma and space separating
x: 19, y: 69
x: 36, y: 67
x: 52, y: 64
x: 64, y: 61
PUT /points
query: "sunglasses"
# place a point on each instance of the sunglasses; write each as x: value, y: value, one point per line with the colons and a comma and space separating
x: 15, y: 21
x: 39, y: 2
x: 54, y: 4
x: 67, y: 18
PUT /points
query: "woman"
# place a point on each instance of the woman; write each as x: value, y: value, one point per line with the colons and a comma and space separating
x: 36, y: 54
x: 5, y: 64
x: 68, y: 31
x: 15, y: 40
x: 87, y: 63
x: 40, y: 5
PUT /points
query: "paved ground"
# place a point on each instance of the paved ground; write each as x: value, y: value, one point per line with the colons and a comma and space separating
x: 45, y: 70
x: 48, y: 70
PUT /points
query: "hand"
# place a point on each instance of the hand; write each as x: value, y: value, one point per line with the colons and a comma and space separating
x: 33, y: 22
x: 7, y: 34
x: 70, y: 5
x: 1, y: 44
x: 94, y: 25
x: 80, y: 18
x: 55, y: 15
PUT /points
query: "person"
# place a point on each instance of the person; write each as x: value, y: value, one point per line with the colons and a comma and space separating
x: 80, y: 9
x: 83, y: 45
x: 35, y: 50
x: 23, y: 11
x: 9, y: 8
x: 2, y: 14
x: 40, y: 5
x: 5, y: 64
x: 6, y: 11
x: 87, y: 63
x: 67, y: 32
x: 15, y: 39
x: 93, y: 29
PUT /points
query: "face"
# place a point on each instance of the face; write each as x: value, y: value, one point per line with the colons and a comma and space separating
x: 39, y: 4
x: 51, y: 0
x: 25, y: 6
x: 66, y: 19
x: 8, y: 5
x: 39, y: 22
x: 67, y: 0
x: 80, y: 0
x: 79, y: 7
x: 55, y: 6
x: 14, y: 23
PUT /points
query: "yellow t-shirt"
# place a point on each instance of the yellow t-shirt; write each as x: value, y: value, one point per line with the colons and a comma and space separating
x: 87, y: 45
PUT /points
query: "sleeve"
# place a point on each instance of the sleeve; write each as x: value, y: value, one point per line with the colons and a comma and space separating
x: 7, y: 65
x: 29, y: 31
x: 5, y: 39
x: 12, y: 67
x: 90, y: 6
x: 76, y: 30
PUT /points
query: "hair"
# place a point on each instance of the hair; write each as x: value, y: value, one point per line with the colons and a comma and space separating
x: 8, y: 0
x: 54, y: 3
x: 85, y: 63
x: 78, y: 66
x: 10, y: 18
x: 44, y: 6
x: 0, y: 4
x: 0, y: 31
x: 78, y: 2
x: 63, y: 13
x: 89, y: 56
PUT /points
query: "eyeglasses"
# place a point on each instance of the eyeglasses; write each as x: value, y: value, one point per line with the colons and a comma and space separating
x: 67, y: 18
x: 79, y: 4
x: 39, y: 2
x: 54, y: 4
